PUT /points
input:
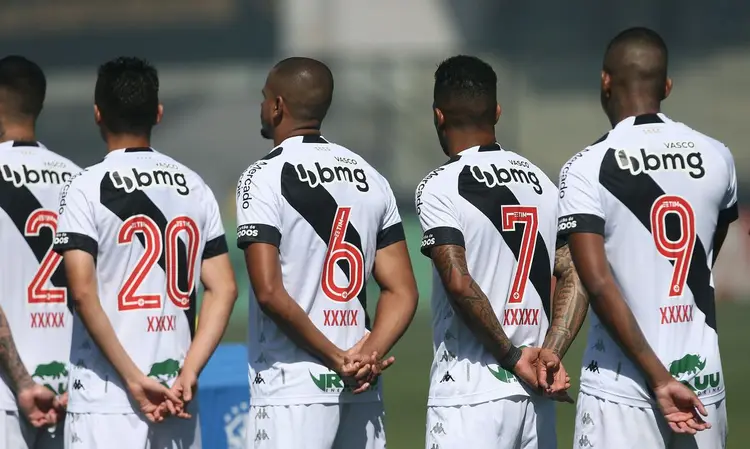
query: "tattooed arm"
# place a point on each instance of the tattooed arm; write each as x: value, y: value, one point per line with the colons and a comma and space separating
x: 472, y: 305
x: 569, y: 305
x: 10, y: 362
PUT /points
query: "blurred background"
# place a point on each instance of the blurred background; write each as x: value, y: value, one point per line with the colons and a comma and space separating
x: 213, y: 56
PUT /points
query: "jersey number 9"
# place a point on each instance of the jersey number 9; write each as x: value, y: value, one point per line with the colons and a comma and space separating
x: 680, y: 251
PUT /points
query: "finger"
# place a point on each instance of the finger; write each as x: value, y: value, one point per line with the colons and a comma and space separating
x: 170, y: 395
x: 362, y: 388
x: 696, y: 425
x: 687, y: 429
x: 385, y: 364
x: 150, y: 416
x: 674, y: 427
x: 171, y: 407
x: 541, y: 374
x: 363, y: 372
x: 699, y: 406
x: 187, y: 394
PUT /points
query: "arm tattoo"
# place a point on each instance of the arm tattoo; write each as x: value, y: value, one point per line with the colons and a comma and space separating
x: 10, y: 362
x: 570, y: 304
x: 469, y: 301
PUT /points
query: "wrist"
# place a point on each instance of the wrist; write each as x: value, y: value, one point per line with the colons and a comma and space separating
x: 23, y: 383
x: 335, y: 359
x: 511, y: 358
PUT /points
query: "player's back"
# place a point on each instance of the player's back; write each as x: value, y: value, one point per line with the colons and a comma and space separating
x: 328, y: 211
x: 148, y: 221
x: 658, y: 189
x: 503, y: 209
x: 33, y: 291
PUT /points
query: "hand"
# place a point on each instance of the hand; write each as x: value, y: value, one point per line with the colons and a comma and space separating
x: 680, y: 407
x: 525, y: 368
x: 62, y: 403
x: 362, y: 370
x: 552, y: 376
x: 150, y: 395
x: 184, y: 387
x: 38, y: 405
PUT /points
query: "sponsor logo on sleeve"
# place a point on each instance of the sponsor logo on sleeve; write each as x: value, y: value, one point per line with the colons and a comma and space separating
x: 566, y: 223
x: 246, y: 181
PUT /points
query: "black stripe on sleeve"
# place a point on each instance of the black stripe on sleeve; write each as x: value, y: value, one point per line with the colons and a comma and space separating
x: 215, y: 247
x: 574, y: 223
x: 390, y: 235
x: 443, y: 235
x: 248, y: 234
x: 729, y: 215
x: 66, y: 241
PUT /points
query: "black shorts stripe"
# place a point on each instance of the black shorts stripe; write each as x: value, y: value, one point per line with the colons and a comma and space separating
x: 638, y: 193
x: 215, y: 247
x: 19, y: 203
x: 318, y: 208
x: 490, y: 202
x: 442, y: 235
x: 125, y: 205
x: 390, y: 235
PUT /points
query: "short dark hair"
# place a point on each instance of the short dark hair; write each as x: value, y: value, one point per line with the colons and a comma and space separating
x: 23, y: 87
x: 466, y: 91
x: 127, y: 95
x: 638, y: 55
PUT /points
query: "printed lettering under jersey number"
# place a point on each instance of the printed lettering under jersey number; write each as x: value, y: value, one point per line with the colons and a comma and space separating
x: 681, y: 250
x: 340, y: 249
x: 36, y: 292
x: 527, y: 217
x: 128, y: 297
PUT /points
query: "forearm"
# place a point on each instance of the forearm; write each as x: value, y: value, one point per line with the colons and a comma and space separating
x: 569, y: 307
x: 10, y: 361
x: 392, y: 317
x: 619, y: 320
x: 214, y: 317
x: 100, y: 329
x: 295, y: 323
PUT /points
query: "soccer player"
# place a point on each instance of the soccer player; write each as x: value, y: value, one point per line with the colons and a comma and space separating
x: 489, y: 218
x: 34, y: 292
x: 136, y: 232
x: 315, y: 221
x: 645, y: 210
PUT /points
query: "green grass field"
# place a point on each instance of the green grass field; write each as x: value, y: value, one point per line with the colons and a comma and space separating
x: 407, y: 381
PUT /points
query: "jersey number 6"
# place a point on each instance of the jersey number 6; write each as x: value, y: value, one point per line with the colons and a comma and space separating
x: 128, y: 298
x: 36, y: 291
x: 679, y: 251
x: 340, y: 249
x: 527, y: 217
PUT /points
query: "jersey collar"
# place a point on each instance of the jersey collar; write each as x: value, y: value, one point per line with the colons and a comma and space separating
x: 645, y: 119
x: 130, y: 150
x: 304, y: 139
x: 481, y: 149
x: 21, y: 143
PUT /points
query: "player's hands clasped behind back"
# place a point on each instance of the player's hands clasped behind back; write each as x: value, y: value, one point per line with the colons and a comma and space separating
x: 154, y: 400
x: 361, y: 368
x: 681, y: 407
x: 542, y: 370
x: 39, y: 404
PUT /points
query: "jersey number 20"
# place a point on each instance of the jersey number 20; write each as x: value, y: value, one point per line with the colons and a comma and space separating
x: 340, y: 249
x: 36, y: 291
x: 527, y: 217
x: 681, y: 250
x: 128, y: 298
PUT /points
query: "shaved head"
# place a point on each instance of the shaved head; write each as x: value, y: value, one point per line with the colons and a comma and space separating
x: 306, y: 85
x: 636, y: 59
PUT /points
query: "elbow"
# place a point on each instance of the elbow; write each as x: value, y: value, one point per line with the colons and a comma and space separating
x: 457, y: 288
x: 266, y: 297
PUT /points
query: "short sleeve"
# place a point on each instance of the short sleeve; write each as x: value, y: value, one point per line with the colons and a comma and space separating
x: 580, y: 208
x: 258, y: 206
x: 216, y: 240
x: 391, y: 229
x: 729, y: 211
x: 439, y: 221
x: 76, y: 228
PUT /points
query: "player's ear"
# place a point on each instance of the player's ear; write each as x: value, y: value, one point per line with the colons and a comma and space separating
x: 606, y: 82
x: 97, y: 115
x: 159, y: 113
x: 667, y: 88
x: 278, y: 108
x: 438, y: 117
x: 498, y: 112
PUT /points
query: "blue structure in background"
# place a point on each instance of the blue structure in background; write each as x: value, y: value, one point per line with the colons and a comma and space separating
x: 224, y: 398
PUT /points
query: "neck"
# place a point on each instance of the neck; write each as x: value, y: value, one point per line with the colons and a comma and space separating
x: 299, y: 129
x: 118, y: 141
x: 458, y: 139
x: 624, y: 106
x: 15, y: 131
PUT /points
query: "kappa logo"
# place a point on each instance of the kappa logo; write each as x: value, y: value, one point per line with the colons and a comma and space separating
x: 644, y: 162
x: 133, y: 180
x: 501, y: 176
x: 235, y: 425
x: 31, y: 176
x: 326, y: 175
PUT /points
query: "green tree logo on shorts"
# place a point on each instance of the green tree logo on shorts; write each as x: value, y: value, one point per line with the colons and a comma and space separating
x: 165, y: 371
x: 53, y: 375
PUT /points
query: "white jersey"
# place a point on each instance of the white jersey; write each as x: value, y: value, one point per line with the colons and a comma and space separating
x: 503, y: 210
x: 328, y: 211
x: 33, y: 291
x: 655, y: 189
x: 148, y: 221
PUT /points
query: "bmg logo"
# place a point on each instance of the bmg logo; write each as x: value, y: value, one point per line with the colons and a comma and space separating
x: 135, y: 180
x: 643, y: 162
x: 31, y: 176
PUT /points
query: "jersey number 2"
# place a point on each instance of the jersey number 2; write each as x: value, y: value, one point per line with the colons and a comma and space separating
x: 128, y: 298
x: 681, y: 250
x: 340, y: 249
x: 36, y: 291
x: 527, y: 217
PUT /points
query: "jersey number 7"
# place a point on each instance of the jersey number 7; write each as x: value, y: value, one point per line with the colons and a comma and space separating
x: 154, y: 245
x: 36, y: 292
x: 679, y: 251
x: 527, y: 217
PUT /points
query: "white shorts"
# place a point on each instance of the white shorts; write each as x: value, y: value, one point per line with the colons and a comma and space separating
x: 517, y: 422
x: 16, y: 432
x: 129, y: 431
x: 601, y: 423
x: 316, y: 426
